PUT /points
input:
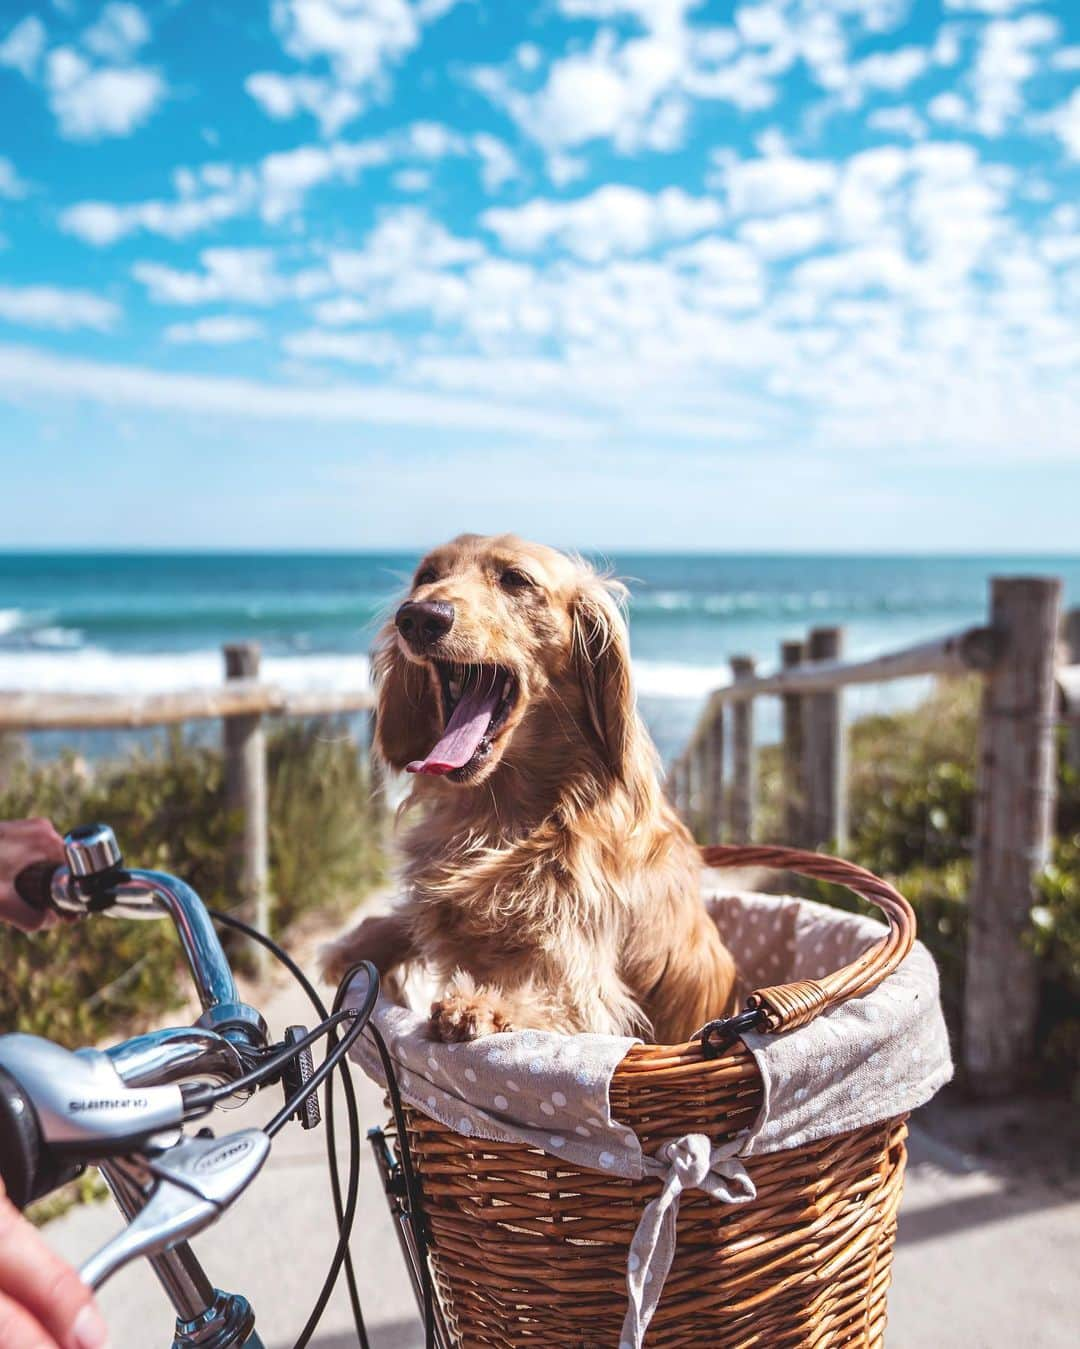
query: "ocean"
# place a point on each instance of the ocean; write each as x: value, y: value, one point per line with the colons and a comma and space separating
x: 144, y: 621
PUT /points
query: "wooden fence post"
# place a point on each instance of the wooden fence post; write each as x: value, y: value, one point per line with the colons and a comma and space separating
x: 682, y: 788
x: 824, y: 777
x: 742, y: 747
x: 1071, y: 639
x: 1014, y: 807
x: 702, y: 788
x: 690, y: 787
x: 715, y: 736
x: 244, y: 740
x: 376, y: 775
x: 791, y: 711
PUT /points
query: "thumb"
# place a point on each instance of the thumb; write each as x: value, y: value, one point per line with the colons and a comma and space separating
x: 34, y: 1277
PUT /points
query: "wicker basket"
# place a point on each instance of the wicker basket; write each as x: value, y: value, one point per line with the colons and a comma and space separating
x: 528, y: 1251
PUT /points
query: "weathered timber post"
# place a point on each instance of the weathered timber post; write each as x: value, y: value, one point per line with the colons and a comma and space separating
x: 1014, y: 808
x: 715, y: 736
x: 824, y: 776
x: 376, y: 775
x: 791, y: 712
x: 244, y: 741
x: 1071, y: 642
x: 742, y: 747
x: 690, y: 787
x: 682, y: 788
x: 702, y: 784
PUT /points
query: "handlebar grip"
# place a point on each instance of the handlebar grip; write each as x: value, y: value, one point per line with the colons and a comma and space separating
x: 20, y: 1141
x: 27, y: 1168
x: 33, y: 885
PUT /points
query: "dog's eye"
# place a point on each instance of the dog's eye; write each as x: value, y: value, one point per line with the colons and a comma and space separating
x: 425, y: 577
x: 512, y: 579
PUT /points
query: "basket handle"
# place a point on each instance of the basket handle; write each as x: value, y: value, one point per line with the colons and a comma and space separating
x: 787, y: 1006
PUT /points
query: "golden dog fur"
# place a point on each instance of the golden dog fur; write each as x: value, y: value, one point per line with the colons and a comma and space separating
x: 555, y: 888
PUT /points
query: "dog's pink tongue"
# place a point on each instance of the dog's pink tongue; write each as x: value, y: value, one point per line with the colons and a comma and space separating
x: 463, y: 733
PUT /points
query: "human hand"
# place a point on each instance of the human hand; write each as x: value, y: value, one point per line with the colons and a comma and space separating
x: 43, y: 1302
x: 23, y: 842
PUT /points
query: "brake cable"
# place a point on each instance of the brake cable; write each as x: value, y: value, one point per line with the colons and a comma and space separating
x: 200, y: 1100
x: 346, y: 1213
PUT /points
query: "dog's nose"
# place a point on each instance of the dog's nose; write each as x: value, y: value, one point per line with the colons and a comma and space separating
x: 422, y: 622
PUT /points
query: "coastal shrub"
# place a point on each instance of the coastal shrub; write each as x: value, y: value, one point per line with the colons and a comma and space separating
x: 324, y: 833
x: 79, y: 982
x: 1055, y: 937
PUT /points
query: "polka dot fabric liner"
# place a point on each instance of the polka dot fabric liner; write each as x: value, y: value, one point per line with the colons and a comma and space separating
x: 869, y: 1059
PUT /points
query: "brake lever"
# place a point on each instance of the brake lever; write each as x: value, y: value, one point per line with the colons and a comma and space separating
x: 194, y: 1182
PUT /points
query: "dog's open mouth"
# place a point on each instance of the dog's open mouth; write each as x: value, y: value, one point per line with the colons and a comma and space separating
x: 477, y: 700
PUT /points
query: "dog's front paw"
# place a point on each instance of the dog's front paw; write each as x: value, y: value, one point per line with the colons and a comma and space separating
x: 463, y: 1015
x: 336, y: 958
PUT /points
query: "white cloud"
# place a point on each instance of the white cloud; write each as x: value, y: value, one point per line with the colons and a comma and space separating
x: 53, y: 307
x: 371, y: 349
x: 288, y: 176
x: 949, y: 108
x: 433, y: 140
x: 283, y: 97
x: 278, y: 185
x: 612, y: 220
x: 1006, y: 59
x: 237, y: 275
x: 1066, y: 58
x: 776, y: 182
x: 215, y: 330
x: 404, y: 243
x: 892, y: 71
x: 199, y: 206
x: 1064, y: 122
x: 214, y: 193
x: 341, y: 311
x: 987, y: 6
x: 784, y: 236
x: 358, y: 37
x: 24, y: 46
x: 121, y: 29
x: 626, y: 92
x: 28, y: 372
x: 498, y: 164
x: 903, y: 121
x: 11, y: 185
x: 727, y: 275
x: 90, y: 104
x: 412, y: 180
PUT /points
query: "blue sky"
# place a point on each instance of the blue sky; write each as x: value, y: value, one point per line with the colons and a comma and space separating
x: 615, y: 273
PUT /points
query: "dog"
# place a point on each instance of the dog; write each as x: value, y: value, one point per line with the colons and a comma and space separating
x: 547, y: 882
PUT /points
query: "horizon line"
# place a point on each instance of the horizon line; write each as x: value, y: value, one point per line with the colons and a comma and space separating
x: 417, y: 550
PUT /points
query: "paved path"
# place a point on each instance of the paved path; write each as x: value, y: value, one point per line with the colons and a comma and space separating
x: 981, y: 1265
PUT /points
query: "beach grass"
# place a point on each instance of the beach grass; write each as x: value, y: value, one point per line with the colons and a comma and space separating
x: 78, y: 983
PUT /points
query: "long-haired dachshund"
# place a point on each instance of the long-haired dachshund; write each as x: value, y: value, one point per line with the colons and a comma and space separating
x: 548, y: 884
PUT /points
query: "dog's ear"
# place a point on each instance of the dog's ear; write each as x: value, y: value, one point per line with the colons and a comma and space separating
x: 602, y: 660
x: 406, y: 720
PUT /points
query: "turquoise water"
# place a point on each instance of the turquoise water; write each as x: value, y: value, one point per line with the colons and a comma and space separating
x: 147, y: 621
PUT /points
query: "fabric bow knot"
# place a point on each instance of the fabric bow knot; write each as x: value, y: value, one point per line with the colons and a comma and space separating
x: 687, y: 1163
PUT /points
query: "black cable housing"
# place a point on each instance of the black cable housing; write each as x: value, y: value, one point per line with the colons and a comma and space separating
x: 344, y: 1212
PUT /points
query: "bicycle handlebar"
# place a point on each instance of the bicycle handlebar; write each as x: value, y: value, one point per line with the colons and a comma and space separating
x: 54, y: 1103
x: 96, y: 881
x: 124, y: 1107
